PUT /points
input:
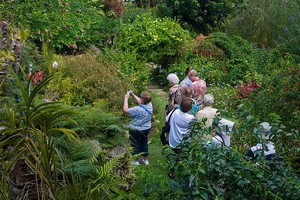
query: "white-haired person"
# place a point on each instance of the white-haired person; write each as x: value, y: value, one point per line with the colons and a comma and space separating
x: 208, y: 112
x: 267, y: 149
x: 174, y: 83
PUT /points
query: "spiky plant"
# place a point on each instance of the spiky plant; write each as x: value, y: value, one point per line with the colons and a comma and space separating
x: 28, y: 142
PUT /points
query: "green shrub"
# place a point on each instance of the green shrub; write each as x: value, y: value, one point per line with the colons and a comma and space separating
x: 203, y: 171
x: 288, y: 41
x: 153, y: 40
x: 94, y: 79
x: 131, y: 12
x: 279, y: 93
x: 230, y: 60
x: 136, y: 72
x: 67, y: 26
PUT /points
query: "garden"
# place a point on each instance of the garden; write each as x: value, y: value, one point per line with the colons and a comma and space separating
x: 66, y: 65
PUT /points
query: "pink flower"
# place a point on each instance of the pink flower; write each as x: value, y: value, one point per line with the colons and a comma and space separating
x: 37, y: 76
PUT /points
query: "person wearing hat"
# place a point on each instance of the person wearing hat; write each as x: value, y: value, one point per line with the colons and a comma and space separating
x: 268, y: 148
x: 208, y: 111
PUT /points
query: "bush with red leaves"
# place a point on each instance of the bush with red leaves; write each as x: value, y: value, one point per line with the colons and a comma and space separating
x: 244, y: 91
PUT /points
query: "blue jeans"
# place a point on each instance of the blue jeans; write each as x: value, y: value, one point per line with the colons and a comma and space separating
x: 139, y: 141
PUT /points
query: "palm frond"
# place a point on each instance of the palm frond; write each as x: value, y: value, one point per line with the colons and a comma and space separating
x: 68, y: 132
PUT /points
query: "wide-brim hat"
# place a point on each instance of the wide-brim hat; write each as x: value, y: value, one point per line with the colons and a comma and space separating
x: 265, y: 131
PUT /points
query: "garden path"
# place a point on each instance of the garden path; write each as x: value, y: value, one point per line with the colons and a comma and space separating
x: 156, y: 88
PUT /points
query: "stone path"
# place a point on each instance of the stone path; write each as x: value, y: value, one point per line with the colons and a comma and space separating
x: 155, y: 88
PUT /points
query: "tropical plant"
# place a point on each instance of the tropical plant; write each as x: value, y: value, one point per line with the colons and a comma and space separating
x: 92, y: 170
x: 103, y: 126
x: 28, y: 142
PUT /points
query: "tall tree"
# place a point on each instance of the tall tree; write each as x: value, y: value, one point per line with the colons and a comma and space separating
x: 202, y: 15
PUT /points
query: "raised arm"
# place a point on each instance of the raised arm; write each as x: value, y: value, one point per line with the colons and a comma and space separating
x: 136, y: 98
x: 125, y: 104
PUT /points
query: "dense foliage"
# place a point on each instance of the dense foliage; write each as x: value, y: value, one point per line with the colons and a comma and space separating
x: 67, y: 25
x: 201, y: 15
x: 82, y: 95
x: 154, y: 40
x: 268, y: 24
x: 219, y: 58
x: 203, y: 171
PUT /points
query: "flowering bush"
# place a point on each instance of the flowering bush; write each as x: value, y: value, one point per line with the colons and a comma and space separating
x: 244, y: 90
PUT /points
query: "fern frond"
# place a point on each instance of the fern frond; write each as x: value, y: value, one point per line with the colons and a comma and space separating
x: 104, y: 173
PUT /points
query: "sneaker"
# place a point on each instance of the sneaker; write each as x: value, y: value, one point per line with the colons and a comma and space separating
x: 145, y: 161
x: 135, y: 163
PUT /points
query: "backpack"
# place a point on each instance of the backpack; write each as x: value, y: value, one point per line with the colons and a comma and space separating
x: 165, y: 131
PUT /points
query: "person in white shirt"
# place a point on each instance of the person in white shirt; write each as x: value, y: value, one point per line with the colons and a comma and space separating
x: 223, y: 131
x: 268, y: 148
x: 180, y: 122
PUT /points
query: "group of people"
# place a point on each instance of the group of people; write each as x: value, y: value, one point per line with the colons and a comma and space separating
x: 187, y: 103
x: 191, y: 86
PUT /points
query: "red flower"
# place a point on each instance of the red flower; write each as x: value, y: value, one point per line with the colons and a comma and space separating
x: 37, y: 76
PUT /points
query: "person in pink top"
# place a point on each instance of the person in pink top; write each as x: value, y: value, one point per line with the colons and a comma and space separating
x: 199, y: 88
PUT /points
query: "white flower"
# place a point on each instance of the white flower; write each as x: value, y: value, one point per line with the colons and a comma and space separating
x: 55, y: 65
